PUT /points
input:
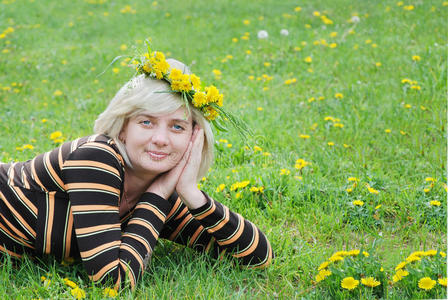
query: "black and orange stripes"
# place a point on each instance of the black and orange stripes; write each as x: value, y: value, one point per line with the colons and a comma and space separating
x: 66, y: 203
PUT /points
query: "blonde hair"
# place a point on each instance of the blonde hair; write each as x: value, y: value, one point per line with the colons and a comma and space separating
x: 155, y: 96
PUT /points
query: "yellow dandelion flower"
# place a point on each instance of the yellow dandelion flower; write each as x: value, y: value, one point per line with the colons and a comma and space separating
x: 435, y: 203
x: 378, y: 206
x: 308, y: 59
x: 443, y: 254
x: 70, y: 283
x: 78, y: 293
x: 285, y: 172
x: 354, y: 252
x: 266, y: 154
x: 413, y: 258
x: 248, y: 52
x: 349, y: 190
x: 426, y: 283
x: 399, y: 275
x: 220, y: 188
x: 111, y: 293
x: 430, y: 179
x: 426, y: 190
x: 323, y: 265
x: 431, y: 252
x: 416, y: 58
x: 338, y: 96
x: 335, y: 258
x: 442, y: 281
x: 246, y: 22
x: 338, y: 125
x: 365, y: 253
x: 358, y: 203
x: 57, y: 93
x: 370, y: 282
x: 304, y: 136
x: 297, y: 9
x: 409, y: 7
x: 316, y: 13
x: 55, y: 135
x: 372, y: 190
x: 324, y: 273
x: 330, y: 144
x: 349, y: 283
x: 387, y: 131
x: 378, y: 64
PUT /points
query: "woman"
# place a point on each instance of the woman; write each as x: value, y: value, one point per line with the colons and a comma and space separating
x: 108, y: 197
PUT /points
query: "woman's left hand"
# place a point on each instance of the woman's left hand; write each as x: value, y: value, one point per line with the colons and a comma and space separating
x: 187, y: 184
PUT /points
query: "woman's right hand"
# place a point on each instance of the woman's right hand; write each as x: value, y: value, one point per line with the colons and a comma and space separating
x: 165, y: 183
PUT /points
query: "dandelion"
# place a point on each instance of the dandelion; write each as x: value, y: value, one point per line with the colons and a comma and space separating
x: 338, y: 125
x: 442, y: 281
x: 378, y: 206
x: 399, y: 275
x: 308, y: 59
x: 335, y: 258
x: 430, y: 179
x: 426, y: 283
x: 349, y: 190
x: 358, y: 203
x: 434, y: 203
x: 220, y: 188
x: 426, y: 190
x: 259, y: 108
x: 355, y: 19
x: 408, y: 7
x: 108, y: 292
x: 349, y: 283
x: 297, y: 9
x: 57, y: 93
x: 116, y: 70
x: 323, y: 265
x: 322, y: 275
x: 401, y: 265
x: 70, y: 283
x: 330, y: 144
x: 55, y: 135
x: 284, y: 32
x: 338, y: 96
x: 285, y: 172
x: 262, y: 34
x: 301, y: 163
x: 248, y: 52
x: 304, y: 136
x: 246, y: 22
x: 78, y: 293
x: 416, y: 58
x: 370, y: 282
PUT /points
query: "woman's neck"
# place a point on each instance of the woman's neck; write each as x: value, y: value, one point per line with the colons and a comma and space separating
x: 136, y: 184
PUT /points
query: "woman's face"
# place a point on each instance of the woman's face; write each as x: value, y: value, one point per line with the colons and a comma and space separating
x: 156, y: 143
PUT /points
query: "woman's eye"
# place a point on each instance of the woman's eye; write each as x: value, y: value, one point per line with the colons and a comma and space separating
x: 146, y: 122
x: 178, y: 127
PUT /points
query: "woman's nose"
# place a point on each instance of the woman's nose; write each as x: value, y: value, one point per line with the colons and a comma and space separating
x: 160, y: 137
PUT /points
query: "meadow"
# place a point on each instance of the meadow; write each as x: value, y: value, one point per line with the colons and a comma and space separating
x: 346, y: 101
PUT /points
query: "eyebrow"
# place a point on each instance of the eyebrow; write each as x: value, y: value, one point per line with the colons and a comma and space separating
x: 175, y: 120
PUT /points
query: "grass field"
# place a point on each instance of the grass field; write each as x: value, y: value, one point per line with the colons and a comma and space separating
x: 348, y: 104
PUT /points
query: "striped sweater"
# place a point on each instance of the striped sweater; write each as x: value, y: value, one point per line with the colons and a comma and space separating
x: 66, y: 203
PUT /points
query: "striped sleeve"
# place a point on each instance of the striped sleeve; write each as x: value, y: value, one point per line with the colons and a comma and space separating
x: 92, y: 177
x: 214, y: 227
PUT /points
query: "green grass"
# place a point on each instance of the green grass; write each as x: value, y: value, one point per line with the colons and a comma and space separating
x: 65, y: 45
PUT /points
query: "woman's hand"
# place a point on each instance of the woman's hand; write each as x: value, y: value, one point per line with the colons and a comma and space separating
x: 187, y: 184
x: 165, y: 183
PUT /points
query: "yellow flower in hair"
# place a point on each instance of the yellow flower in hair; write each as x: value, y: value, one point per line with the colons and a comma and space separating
x: 175, y: 74
x: 199, y: 99
x: 159, y: 55
x: 210, y: 113
x: 196, y: 81
x: 161, y: 68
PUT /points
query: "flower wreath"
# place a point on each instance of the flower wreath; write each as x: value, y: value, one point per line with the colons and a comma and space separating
x: 208, y: 100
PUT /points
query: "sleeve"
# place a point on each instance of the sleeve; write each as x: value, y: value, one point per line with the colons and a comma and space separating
x: 214, y: 228
x: 92, y: 179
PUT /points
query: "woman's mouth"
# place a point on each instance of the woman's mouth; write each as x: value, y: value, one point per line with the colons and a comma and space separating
x: 156, y: 155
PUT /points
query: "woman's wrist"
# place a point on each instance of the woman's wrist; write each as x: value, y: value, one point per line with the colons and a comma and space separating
x: 193, y: 198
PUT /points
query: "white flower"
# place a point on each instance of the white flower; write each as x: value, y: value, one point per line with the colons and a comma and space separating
x: 355, y: 19
x: 263, y: 34
x: 284, y: 32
